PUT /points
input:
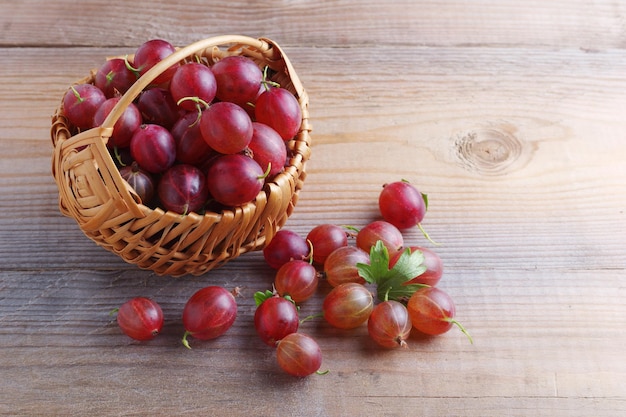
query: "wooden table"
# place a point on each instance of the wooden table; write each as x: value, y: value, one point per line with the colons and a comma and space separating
x: 510, y: 115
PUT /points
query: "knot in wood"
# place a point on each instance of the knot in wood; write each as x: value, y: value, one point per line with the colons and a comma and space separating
x: 488, y: 150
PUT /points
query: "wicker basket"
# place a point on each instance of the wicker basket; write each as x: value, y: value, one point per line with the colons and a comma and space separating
x: 108, y: 211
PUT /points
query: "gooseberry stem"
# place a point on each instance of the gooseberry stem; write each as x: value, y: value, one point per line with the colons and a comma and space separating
x: 130, y: 67
x: 267, y: 83
x: 460, y: 326
x: 185, y: 341
x: 310, y: 257
x: 419, y: 225
x: 118, y: 156
x: 312, y: 316
x: 267, y: 171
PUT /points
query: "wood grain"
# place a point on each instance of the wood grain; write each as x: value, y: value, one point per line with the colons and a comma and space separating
x: 560, y: 23
x: 509, y: 116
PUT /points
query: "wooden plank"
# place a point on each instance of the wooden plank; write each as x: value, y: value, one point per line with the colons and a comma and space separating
x: 561, y: 23
x: 63, y: 350
x: 537, y: 167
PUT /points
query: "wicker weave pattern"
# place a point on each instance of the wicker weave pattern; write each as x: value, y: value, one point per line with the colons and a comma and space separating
x: 105, y: 207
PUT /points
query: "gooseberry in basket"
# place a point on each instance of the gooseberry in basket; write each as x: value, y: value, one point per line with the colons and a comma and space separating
x: 238, y: 79
x: 126, y: 125
x: 141, y: 181
x: 268, y: 148
x: 192, y: 85
x: 80, y: 104
x: 151, y: 53
x: 182, y: 189
x: 191, y: 147
x: 279, y: 109
x: 234, y: 180
x: 114, y: 78
x: 226, y: 127
x: 157, y: 106
x: 153, y: 147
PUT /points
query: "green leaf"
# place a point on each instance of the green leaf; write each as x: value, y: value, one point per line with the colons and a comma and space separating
x: 410, y: 264
x: 378, y: 266
x: 391, y: 284
x: 261, y: 296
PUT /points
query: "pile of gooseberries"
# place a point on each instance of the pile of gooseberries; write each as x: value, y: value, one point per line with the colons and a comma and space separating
x: 377, y: 280
x: 204, y: 136
x: 374, y: 279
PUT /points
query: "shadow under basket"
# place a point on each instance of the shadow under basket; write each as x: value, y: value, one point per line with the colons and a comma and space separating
x: 109, y: 212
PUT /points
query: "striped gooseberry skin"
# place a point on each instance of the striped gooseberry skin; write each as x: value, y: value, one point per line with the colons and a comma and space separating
x: 285, y: 246
x: 389, y: 325
x: 325, y: 238
x: 209, y: 313
x: 299, y: 355
x: 275, y: 318
x: 297, y: 279
x: 381, y: 230
x: 431, y: 311
x: 182, y: 189
x: 140, y: 318
x: 150, y: 53
x: 341, y: 265
x: 279, y: 109
x: 234, y: 180
x: 153, y: 147
x: 402, y: 205
x: 348, y: 305
x: 238, y: 79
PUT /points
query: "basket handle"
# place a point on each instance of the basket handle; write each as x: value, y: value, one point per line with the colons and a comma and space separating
x: 144, y: 81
